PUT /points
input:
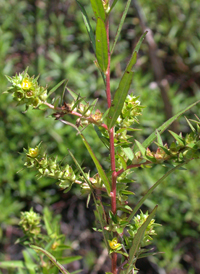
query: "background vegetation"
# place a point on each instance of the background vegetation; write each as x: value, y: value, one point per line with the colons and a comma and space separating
x: 49, y: 36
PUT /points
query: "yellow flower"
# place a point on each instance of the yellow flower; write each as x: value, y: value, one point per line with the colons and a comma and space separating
x: 33, y: 152
x: 26, y: 84
x: 114, y: 244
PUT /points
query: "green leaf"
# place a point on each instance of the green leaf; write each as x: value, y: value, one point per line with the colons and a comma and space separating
x: 67, y: 260
x: 129, y: 153
x: 102, y: 217
x: 113, y: 4
x: 138, y: 238
x: 28, y: 261
x: 51, y: 258
x: 121, y: 24
x: 160, y: 142
x: 101, y: 45
x: 98, y: 166
x: 119, y: 98
x: 8, y: 78
x: 104, y: 140
x: 140, y: 203
x: 124, y: 165
x: 56, y: 87
x: 162, y: 128
x: 81, y: 170
x: 25, y: 72
x: 141, y: 148
x: 17, y: 264
x: 177, y: 138
x: 190, y: 125
x: 135, y: 51
x: 87, y: 24
x: 127, y: 192
x: 47, y: 224
x: 98, y: 9
x: 163, y: 148
x: 73, y: 94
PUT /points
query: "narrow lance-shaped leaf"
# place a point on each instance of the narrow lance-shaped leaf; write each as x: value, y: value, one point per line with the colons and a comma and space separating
x: 17, y: 264
x: 141, y: 148
x: 190, y: 125
x: 51, y: 258
x: 113, y: 4
x: 133, y: 58
x: 101, y: 45
x: 100, y: 210
x: 81, y: 170
x: 29, y: 261
x: 87, y: 24
x: 69, y: 259
x: 140, y: 203
x: 119, y: 98
x: 56, y: 87
x: 160, y: 142
x: 101, y: 137
x: 138, y: 238
x: 120, y: 24
x: 179, y: 140
x: 98, y: 166
x: 162, y: 128
x: 98, y: 9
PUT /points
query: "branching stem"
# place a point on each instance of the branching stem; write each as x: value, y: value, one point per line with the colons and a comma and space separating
x: 75, y: 113
x: 119, y: 172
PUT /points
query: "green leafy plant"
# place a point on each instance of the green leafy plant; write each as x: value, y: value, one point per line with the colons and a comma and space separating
x: 45, y: 244
x: 126, y: 235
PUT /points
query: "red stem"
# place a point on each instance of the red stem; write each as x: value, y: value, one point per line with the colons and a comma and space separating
x: 90, y: 119
x: 112, y: 148
x: 119, y: 172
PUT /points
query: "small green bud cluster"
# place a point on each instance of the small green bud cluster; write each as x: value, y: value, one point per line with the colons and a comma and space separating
x: 26, y: 90
x: 49, y: 167
x: 30, y: 223
x: 65, y: 175
x: 87, y: 115
x: 137, y: 223
x: 131, y: 109
x: 180, y: 151
x: 96, y: 183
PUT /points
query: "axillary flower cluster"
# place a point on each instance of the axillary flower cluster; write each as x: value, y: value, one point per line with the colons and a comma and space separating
x: 64, y: 174
x: 26, y: 90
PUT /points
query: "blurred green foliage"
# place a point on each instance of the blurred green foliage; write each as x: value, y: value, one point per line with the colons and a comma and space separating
x: 50, y: 38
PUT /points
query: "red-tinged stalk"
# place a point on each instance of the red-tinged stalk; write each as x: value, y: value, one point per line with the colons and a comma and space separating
x: 89, y: 119
x: 119, y: 172
x: 112, y: 148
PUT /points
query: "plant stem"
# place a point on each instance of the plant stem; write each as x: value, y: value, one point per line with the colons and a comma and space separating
x: 75, y: 113
x: 112, y: 148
